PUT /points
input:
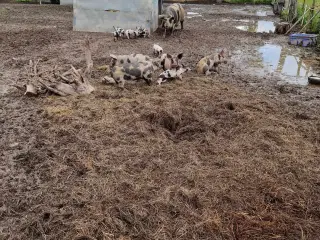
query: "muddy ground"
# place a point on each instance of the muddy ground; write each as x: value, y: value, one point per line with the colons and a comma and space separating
x: 230, y: 156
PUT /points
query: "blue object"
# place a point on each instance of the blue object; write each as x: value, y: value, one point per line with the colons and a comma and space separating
x: 303, y: 39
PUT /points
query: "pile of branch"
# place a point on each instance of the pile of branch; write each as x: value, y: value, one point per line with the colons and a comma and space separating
x: 71, y: 82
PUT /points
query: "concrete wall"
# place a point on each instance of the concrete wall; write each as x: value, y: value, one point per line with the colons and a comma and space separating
x: 102, y: 15
x: 66, y: 2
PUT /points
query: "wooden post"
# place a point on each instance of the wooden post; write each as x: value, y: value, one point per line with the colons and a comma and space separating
x: 292, y: 10
x: 312, y: 13
x: 304, y: 4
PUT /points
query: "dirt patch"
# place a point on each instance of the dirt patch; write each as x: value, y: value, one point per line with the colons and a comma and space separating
x: 231, y: 156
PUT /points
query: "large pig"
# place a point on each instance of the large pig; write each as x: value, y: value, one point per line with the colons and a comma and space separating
x: 132, y: 58
x: 133, y: 71
x: 211, y: 63
x: 173, y: 15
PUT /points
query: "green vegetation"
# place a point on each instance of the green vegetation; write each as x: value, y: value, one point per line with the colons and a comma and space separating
x: 315, y: 25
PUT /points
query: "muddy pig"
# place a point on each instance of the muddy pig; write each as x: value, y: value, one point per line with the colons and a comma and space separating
x: 173, y: 15
x: 134, y: 71
x: 132, y: 58
x: 169, y: 62
x: 210, y: 64
x: 172, y: 74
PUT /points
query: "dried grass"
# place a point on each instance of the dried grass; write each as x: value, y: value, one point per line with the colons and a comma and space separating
x: 194, y: 160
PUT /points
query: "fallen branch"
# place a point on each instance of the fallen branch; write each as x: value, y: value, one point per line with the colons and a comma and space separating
x: 297, y: 21
x: 71, y: 82
x: 309, y: 21
x: 31, y: 90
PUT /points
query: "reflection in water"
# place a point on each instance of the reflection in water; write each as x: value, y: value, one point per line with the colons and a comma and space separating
x: 276, y: 59
x: 259, y: 27
x: 270, y: 56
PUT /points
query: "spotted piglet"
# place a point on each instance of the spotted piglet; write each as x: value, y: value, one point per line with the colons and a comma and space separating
x: 131, y: 33
x: 172, y: 74
x: 157, y: 50
x: 143, y: 32
x: 210, y: 64
x: 133, y: 71
x: 169, y: 61
x: 118, y: 33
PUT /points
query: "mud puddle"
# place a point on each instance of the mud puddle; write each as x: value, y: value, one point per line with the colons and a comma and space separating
x: 249, y: 10
x: 287, y: 64
x: 193, y: 14
x: 258, y: 27
x: 234, y: 20
x: 274, y: 62
x: 262, y: 13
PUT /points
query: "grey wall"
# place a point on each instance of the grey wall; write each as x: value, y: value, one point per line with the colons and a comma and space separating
x: 102, y: 15
x: 66, y: 2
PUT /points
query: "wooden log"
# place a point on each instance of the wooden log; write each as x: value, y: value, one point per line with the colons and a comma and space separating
x: 282, y: 28
x: 31, y: 90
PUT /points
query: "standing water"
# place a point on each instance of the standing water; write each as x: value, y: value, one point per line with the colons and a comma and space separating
x: 259, y: 27
x: 290, y: 67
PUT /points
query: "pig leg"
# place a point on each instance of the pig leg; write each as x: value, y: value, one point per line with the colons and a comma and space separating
x: 147, y: 77
x: 161, y: 80
x: 172, y: 31
x: 180, y: 77
x: 148, y: 81
x: 208, y: 72
x: 181, y: 25
x: 121, y: 83
x: 215, y: 69
x: 165, y: 32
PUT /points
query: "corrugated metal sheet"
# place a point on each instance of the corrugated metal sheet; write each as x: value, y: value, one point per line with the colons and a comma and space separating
x: 102, y: 15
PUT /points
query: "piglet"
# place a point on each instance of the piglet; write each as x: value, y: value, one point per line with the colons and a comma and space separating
x: 211, y: 63
x: 157, y: 50
x: 118, y: 33
x: 131, y: 33
x: 143, y: 32
x: 172, y: 74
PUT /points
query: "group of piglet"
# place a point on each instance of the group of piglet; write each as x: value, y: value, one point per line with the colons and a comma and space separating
x: 138, y: 66
x: 130, y: 33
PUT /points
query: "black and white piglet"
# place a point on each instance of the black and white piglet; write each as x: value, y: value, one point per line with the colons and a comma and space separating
x: 172, y: 74
x: 118, y: 33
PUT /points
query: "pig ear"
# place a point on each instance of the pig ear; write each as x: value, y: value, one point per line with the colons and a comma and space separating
x: 113, y: 56
x: 180, y: 55
x: 162, y: 16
